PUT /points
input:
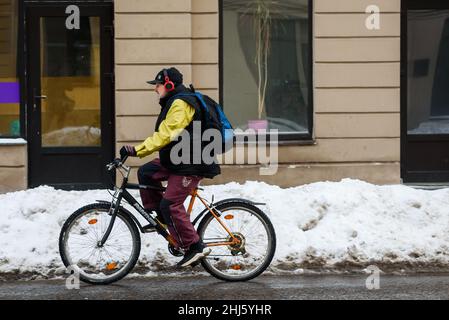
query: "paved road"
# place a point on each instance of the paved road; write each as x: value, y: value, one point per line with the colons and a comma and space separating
x: 264, y: 287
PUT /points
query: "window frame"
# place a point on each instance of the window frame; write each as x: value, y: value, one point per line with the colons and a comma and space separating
x: 284, y: 138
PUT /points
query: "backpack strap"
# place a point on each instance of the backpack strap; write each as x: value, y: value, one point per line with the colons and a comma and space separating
x: 199, y: 96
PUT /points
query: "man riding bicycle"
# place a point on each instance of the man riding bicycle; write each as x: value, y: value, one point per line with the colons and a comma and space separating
x: 177, y: 114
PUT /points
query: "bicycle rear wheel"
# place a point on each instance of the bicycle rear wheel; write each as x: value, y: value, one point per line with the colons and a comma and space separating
x: 255, y: 252
x: 78, y: 244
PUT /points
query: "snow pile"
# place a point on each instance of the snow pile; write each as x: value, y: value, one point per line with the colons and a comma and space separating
x: 321, y: 226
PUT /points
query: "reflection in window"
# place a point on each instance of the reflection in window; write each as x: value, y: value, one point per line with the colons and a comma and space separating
x: 428, y: 80
x: 266, y: 64
x: 70, y: 78
x: 9, y: 83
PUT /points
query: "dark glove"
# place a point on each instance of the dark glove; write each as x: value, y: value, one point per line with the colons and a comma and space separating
x: 129, y: 151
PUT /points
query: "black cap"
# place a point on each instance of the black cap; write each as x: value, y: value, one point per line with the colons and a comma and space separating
x: 173, y: 74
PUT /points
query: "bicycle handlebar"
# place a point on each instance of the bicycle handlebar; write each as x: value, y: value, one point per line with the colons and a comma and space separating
x: 117, y: 163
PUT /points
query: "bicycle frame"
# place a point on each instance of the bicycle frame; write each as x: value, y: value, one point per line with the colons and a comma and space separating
x: 195, y: 195
x: 122, y: 193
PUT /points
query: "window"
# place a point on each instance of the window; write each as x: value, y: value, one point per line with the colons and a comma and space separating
x: 428, y: 80
x: 70, y: 78
x: 266, y: 65
x: 9, y: 82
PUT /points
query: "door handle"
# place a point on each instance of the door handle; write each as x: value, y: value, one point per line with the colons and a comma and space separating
x: 35, y: 96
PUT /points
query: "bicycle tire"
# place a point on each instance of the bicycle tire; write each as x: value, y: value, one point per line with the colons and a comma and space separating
x: 269, y: 227
x: 136, y: 243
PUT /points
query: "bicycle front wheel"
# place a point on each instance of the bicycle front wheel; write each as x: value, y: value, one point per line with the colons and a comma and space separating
x: 252, y: 255
x: 79, y: 238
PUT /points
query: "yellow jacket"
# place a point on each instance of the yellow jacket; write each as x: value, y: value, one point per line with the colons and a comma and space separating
x: 178, y: 118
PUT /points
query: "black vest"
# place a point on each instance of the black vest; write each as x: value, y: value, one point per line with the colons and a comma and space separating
x: 190, y: 168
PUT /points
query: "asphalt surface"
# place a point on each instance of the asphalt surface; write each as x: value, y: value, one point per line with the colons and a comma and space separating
x: 301, y: 287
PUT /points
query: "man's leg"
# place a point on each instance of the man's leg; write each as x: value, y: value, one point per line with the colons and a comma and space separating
x: 152, y: 173
x: 172, y: 208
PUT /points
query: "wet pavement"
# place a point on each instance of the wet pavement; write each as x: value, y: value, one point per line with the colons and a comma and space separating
x: 420, y: 286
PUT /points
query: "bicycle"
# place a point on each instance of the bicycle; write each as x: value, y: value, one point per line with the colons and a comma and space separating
x: 101, y: 241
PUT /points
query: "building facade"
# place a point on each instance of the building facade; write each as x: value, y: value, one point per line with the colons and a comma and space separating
x: 356, y: 88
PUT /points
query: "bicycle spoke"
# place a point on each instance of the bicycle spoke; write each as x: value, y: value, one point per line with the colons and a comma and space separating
x: 89, y: 255
x: 120, y: 255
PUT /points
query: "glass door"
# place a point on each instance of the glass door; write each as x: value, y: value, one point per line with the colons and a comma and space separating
x: 69, y: 95
x: 425, y: 94
x: 70, y: 83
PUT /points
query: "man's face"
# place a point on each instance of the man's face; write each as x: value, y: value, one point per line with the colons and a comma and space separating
x: 160, y: 90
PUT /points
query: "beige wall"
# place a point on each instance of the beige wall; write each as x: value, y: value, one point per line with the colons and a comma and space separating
x: 13, y: 167
x: 356, y: 84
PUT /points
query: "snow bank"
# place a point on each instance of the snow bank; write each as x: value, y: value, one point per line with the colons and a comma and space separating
x: 320, y: 226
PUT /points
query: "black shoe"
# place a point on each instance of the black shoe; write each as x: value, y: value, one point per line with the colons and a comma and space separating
x: 196, y: 252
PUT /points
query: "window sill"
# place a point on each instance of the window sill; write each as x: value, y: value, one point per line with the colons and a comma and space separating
x: 12, y: 142
x: 297, y: 142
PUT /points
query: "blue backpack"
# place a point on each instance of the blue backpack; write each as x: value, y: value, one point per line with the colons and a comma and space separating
x: 214, y: 117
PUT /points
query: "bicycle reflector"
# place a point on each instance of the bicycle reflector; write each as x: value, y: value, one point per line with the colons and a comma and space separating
x: 111, y: 266
x: 93, y: 221
x: 229, y: 217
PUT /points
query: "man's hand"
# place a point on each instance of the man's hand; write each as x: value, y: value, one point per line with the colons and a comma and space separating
x: 129, y: 151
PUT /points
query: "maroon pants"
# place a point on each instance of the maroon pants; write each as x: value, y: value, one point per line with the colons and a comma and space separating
x: 171, y: 202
